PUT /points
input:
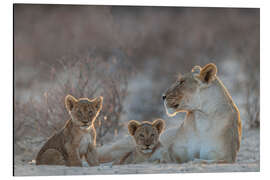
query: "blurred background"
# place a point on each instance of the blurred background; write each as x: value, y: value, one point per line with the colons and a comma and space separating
x: 129, y: 55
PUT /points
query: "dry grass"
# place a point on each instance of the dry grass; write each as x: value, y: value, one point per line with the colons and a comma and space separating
x: 82, y: 77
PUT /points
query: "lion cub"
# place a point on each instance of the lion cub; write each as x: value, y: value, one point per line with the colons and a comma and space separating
x: 77, y: 139
x: 148, y: 147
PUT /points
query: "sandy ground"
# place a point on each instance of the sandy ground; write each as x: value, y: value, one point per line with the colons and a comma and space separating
x: 248, y: 160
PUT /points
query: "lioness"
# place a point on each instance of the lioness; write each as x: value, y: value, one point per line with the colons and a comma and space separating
x: 78, y: 137
x: 148, y: 147
x: 211, y: 131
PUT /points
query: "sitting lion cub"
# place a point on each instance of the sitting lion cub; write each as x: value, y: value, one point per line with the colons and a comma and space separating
x: 78, y: 137
x: 148, y: 147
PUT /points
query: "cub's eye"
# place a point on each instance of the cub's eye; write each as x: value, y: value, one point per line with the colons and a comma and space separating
x: 182, y: 81
x: 90, y: 112
x: 152, y: 135
x: 141, y: 135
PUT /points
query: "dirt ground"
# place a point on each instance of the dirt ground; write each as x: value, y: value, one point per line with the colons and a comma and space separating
x: 248, y: 160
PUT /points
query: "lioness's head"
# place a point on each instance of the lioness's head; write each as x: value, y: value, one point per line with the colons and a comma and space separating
x: 184, y: 94
x: 83, y: 111
x: 146, y: 134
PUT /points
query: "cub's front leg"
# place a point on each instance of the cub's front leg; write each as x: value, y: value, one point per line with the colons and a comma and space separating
x: 160, y: 156
x: 73, y: 156
x: 91, y: 155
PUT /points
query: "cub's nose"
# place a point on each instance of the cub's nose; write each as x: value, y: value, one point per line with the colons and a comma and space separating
x: 163, y: 96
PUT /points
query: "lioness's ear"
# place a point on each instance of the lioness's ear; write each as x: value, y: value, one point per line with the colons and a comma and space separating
x: 208, y: 73
x: 159, y: 124
x: 70, y: 102
x: 132, y: 127
x: 98, y: 102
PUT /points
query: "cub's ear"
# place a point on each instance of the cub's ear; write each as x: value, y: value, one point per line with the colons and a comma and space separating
x: 98, y: 102
x: 159, y: 124
x: 208, y: 73
x: 196, y: 69
x: 132, y: 127
x: 70, y: 102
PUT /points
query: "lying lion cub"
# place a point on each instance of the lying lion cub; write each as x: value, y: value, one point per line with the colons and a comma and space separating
x: 148, y: 147
x: 78, y: 137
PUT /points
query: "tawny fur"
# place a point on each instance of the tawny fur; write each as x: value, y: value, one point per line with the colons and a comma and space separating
x: 211, y: 131
x: 147, y: 145
x: 77, y: 139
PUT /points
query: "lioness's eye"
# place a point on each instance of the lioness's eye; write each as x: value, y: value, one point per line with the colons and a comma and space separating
x: 141, y: 135
x: 152, y: 135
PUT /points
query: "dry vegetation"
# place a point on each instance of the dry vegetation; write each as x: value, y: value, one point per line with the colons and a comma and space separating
x: 81, y: 76
x: 129, y: 55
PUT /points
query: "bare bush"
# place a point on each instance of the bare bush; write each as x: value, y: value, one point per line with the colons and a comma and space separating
x: 253, y: 106
x: 252, y: 94
x: 82, y: 77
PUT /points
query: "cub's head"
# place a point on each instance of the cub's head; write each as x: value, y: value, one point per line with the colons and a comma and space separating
x: 184, y: 94
x: 146, y: 134
x: 83, y: 111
